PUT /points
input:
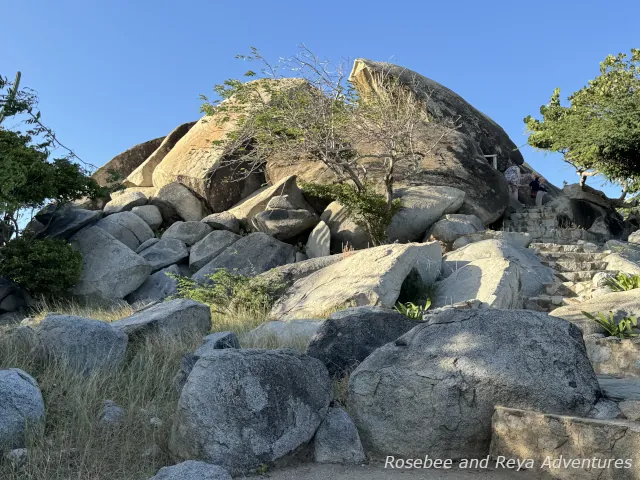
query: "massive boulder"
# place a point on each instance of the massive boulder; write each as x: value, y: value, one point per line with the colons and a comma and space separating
x: 128, y: 228
x: 257, y: 202
x: 442, y: 105
x: 63, y: 222
x: 375, y: 276
x: 187, y: 232
x: 319, y: 241
x: 249, y: 256
x: 170, y: 320
x: 433, y: 391
x: 126, y: 162
x: 343, y: 230
x: 210, y: 247
x: 421, y: 208
x: 534, y: 276
x: 349, y: 336
x: 21, y: 406
x: 176, y: 199
x: 150, y: 214
x: 165, y: 252
x: 223, y: 221
x: 142, y: 176
x: 622, y: 304
x: 285, y: 224
x: 451, y: 227
x: 286, y: 275
x: 157, y: 287
x: 125, y: 202
x: 200, y: 162
x: 85, y: 345
x: 243, y: 408
x: 110, y: 269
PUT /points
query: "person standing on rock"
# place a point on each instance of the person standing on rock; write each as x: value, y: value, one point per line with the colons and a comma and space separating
x: 538, y: 190
x: 512, y: 176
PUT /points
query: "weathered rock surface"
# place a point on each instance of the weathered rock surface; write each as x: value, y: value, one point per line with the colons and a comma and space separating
x: 127, y: 227
x: 85, y: 345
x: 165, y: 252
x: 277, y: 333
x: 343, y: 230
x: 210, y: 247
x: 251, y: 255
x: 171, y: 319
x: 451, y: 227
x: 319, y: 242
x: 337, y: 439
x: 157, y: 287
x: 445, y: 377
x: 578, y: 448
x: 64, y: 222
x: 223, y: 221
x: 349, y: 336
x: 125, y: 202
x: 496, y: 282
x: 623, y: 304
x: 110, y: 270
x: 142, y: 176
x: 634, y: 238
x: 217, y: 341
x: 623, y: 262
x: 150, y: 214
x: 421, y: 208
x: 442, y: 105
x: 369, y: 277
x: 187, y: 232
x: 534, y: 276
x: 613, y: 355
x: 257, y: 202
x: 149, y: 243
x: 284, y: 224
x: 243, y: 408
x: 286, y: 275
x: 516, y: 238
x: 126, y: 162
x: 183, y: 202
x: 21, y: 404
x: 192, y: 470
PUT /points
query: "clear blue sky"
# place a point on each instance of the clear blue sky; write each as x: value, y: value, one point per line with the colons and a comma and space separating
x: 114, y: 73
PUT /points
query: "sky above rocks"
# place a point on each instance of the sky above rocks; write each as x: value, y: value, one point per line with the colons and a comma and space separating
x: 115, y: 73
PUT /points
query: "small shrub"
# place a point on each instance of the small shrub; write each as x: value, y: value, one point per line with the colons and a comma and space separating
x: 622, y: 329
x: 230, y: 291
x: 411, y: 310
x: 47, y: 267
x: 623, y: 282
x: 367, y: 208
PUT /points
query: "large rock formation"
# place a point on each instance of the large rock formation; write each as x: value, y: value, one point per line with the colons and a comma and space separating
x: 21, y: 406
x: 242, y: 408
x: 375, y: 276
x: 433, y: 391
x: 110, y: 270
x: 142, y: 176
x: 126, y: 162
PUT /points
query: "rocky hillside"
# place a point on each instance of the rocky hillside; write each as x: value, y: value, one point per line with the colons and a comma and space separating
x: 501, y: 356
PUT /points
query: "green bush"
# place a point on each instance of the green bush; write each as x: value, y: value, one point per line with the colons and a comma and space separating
x: 625, y: 328
x: 367, y: 208
x: 47, y: 267
x: 623, y: 282
x: 230, y: 291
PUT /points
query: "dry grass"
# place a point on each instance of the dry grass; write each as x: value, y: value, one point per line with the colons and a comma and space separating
x: 73, y: 444
x: 98, y: 312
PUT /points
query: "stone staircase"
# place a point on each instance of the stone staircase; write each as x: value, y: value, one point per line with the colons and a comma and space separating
x: 571, y: 252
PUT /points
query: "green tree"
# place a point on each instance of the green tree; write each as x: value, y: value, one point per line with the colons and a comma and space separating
x: 29, y: 177
x: 599, y: 131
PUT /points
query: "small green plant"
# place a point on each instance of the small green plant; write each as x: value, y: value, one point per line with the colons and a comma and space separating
x: 621, y: 329
x: 47, y: 267
x: 623, y: 282
x: 368, y: 209
x: 230, y: 291
x: 411, y: 310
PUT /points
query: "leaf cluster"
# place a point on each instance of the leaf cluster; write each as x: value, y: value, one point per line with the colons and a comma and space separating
x: 625, y: 328
x: 623, y: 282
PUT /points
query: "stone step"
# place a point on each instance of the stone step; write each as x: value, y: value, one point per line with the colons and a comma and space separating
x: 573, y: 266
x: 578, y: 276
x: 562, y: 247
x: 571, y: 256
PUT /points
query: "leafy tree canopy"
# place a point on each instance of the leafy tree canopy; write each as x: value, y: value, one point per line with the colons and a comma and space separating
x: 599, y: 131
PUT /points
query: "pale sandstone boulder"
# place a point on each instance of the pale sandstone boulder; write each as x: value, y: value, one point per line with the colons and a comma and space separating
x: 183, y: 202
x: 344, y: 232
x: 125, y: 202
x: 451, y: 227
x: 150, y: 214
x: 421, y: 208
x: 142, y: 176
x: 369, y: 277
x: 222, y: 221
x: 319, y: 242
